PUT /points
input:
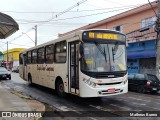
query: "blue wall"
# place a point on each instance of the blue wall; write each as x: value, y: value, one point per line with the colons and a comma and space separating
x: 139, y: 46
x: 137, y: 50
x: 133, y: 66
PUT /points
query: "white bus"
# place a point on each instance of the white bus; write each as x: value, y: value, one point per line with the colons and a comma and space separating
x: 88, y: 63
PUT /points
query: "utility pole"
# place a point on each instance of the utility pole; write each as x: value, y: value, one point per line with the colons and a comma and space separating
x: 35, y: 35
x: 158, y: 42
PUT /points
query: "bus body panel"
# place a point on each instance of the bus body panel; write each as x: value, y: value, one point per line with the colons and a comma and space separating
x: 62, y: 73
x: 21, y: 68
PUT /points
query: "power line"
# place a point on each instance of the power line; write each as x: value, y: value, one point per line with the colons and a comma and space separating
x: 76, y: 17
x: 74, y: 11
x: 90, y: 14
x: 21, y: 35
x: 112, y: 2
x: 68, y: 9
x: 3, y: 45
x: 90, y: 5
x: 65, y: 19
x: 13, y: 44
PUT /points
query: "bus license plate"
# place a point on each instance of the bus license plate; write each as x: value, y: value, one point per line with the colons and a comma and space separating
x: 111, y: 90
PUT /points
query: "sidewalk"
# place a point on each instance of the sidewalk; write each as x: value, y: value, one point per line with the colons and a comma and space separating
x: 11, y: 102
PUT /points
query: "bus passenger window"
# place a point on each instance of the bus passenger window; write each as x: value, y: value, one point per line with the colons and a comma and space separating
x: 60, y: 52
x: 41, y: 55
x: 20, y: 59
x: 49, y: 54
x: 34, y: 56
x: 29, y: 57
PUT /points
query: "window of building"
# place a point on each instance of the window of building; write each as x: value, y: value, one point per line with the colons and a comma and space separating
x: 41, y: 55
x: 118, y: 28
x: 60, y: 52
x: 148, y: 22
x: 29, y: 57
x: 34, y: 56
x: 49, y: 54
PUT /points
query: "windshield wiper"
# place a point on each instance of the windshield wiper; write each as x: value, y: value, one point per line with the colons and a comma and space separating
x: 114, y: 50
x: 101, y: 51
x: 113, y: 53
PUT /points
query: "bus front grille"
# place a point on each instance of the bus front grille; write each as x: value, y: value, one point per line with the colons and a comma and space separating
x: 109, y: 83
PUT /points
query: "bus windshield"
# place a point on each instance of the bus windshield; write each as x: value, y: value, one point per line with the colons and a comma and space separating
x: 108, y: 57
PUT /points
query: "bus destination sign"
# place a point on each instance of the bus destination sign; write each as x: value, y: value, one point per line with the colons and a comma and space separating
x: 98, y: 35
x: 107, y: 36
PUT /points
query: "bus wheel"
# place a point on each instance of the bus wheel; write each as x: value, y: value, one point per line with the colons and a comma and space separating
x: 60, y: 89
x: 29, y: 80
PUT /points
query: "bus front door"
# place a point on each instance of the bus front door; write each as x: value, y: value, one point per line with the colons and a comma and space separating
x: 74, y: 67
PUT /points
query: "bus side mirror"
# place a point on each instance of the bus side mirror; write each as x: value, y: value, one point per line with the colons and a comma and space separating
x: 81, y: 51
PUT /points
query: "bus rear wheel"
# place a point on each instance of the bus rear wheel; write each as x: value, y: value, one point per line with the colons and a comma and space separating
x: 60, y: 89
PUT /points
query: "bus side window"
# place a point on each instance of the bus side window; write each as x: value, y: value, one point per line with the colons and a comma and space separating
x: 34, y: 56
x: 29, y: 57
x: 25, y: 59
x: 41, y: 55
x: 49, y: 54
x: 21, y: 59
x: 60, y: 52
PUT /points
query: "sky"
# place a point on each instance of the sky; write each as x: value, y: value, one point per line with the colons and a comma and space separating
x: 54, y: 17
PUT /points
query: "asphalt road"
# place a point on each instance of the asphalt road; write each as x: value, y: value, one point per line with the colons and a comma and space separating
x: 117, y: 107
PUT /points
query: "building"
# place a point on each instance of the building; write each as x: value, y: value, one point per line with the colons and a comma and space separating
x: 1, y: 57
x: 139, y: 26
x: 13, y: 57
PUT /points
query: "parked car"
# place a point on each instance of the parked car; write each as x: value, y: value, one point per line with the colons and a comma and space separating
x: 143, y: 83
x: 4, y: 73
x: 16, y: 70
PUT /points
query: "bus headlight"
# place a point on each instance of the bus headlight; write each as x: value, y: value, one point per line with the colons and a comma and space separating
x: 89, y: 82
x: 125, y: 80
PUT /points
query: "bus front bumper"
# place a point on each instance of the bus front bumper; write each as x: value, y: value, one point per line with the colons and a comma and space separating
x: 88, y: 91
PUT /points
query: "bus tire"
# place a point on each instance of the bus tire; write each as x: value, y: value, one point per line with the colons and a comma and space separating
x: 60, y: 89
x: 29, y: 80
